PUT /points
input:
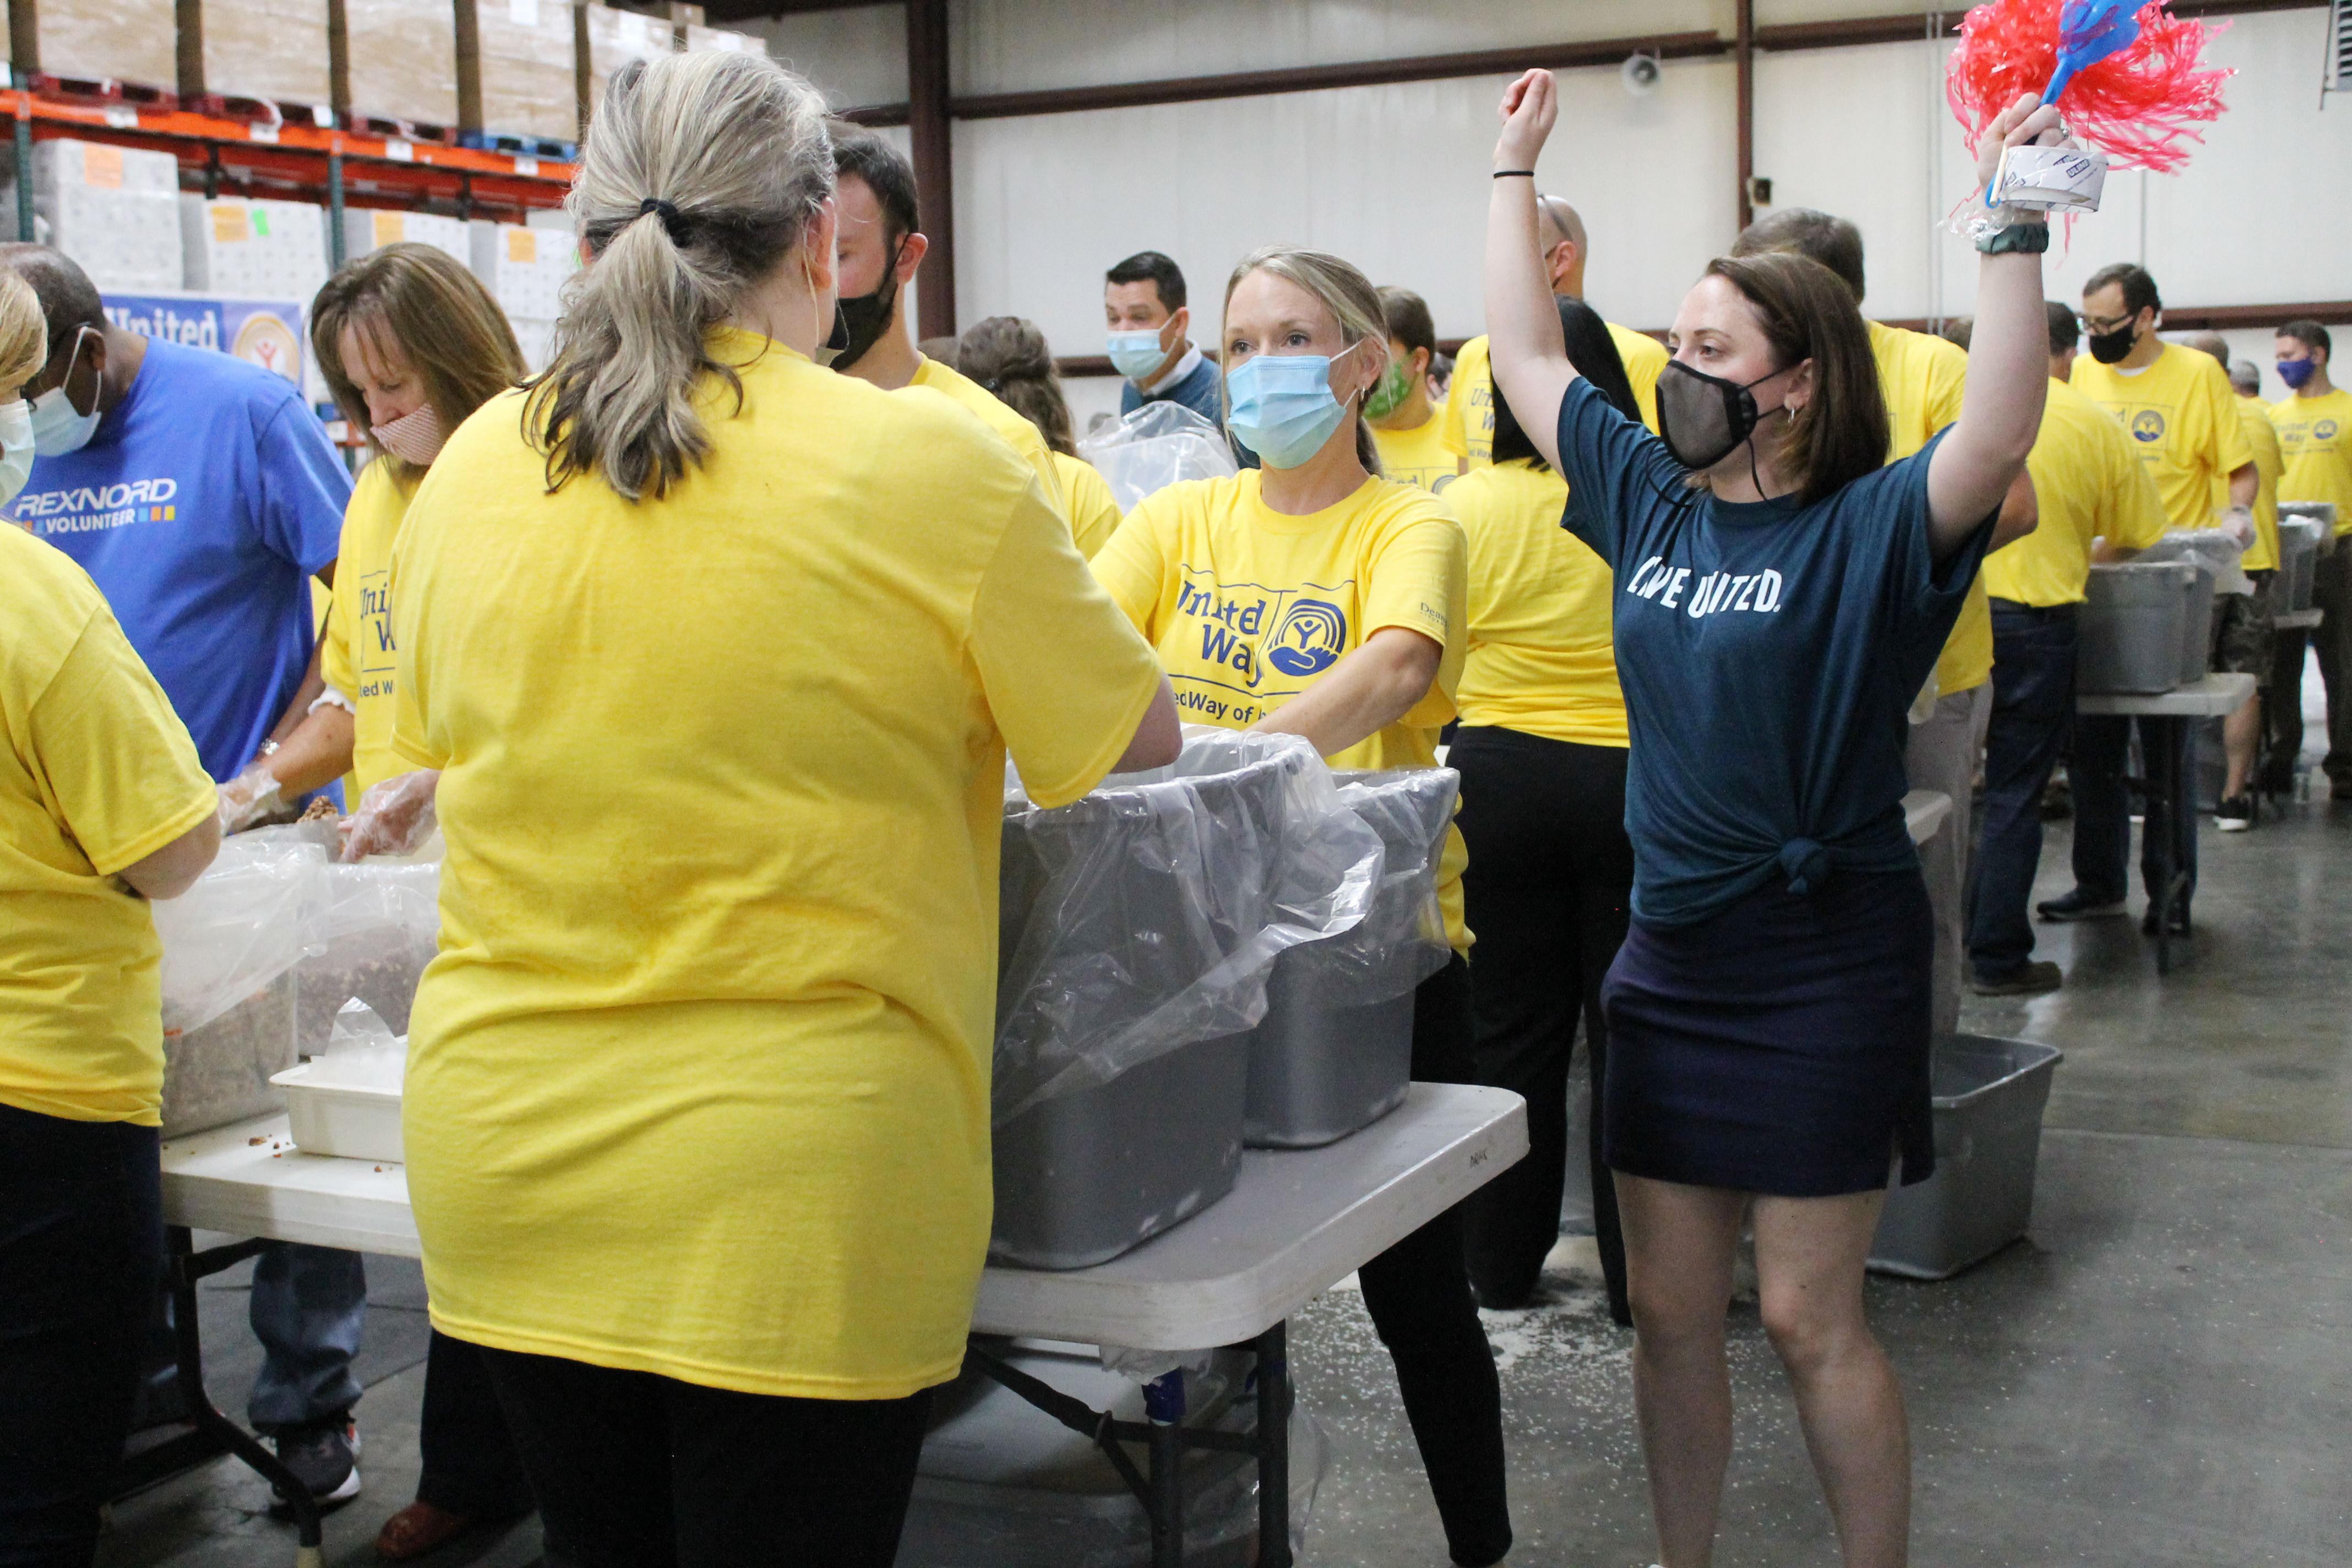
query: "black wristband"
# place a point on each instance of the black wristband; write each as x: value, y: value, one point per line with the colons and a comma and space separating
x: 1514, y: 174
x: 2018, y: 238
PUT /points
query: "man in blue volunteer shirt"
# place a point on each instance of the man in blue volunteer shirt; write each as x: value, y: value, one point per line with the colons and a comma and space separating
x: 202, y: 496
x: 1143, y: 305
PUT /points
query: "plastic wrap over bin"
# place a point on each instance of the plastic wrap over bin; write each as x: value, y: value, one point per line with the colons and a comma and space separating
x: 2134, y: 625
x: 381, y: 925
x: 1140, y: 925
x: 1334, y: 1052
x: 2300, y: 538
x: 1155, y: 446
x: 230, y: 946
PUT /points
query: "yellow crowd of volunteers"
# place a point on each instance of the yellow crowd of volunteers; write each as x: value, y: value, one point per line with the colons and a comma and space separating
x: 706, y: 657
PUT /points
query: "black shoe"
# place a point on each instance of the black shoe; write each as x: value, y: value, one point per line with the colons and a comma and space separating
x: 2234, y: 815
x: 2179, y: 921
x: 2031, y: 981
x: 2079, y: 905
x: 324, y: 1456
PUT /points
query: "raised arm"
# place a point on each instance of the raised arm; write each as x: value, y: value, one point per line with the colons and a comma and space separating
x: 1524, y: 347
x: 2008, y: 363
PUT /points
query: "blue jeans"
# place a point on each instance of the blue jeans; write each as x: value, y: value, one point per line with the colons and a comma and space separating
x: 2103, y: 811
x: 2033, y: 711
x: 308, y: 1306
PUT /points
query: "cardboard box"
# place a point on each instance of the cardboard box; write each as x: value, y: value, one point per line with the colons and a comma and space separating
x: 274, y: 49
x: 127, y: 40
x: 115, y: 210
x: 527, y: 59
x: 260, y: 249
x: 405, y: 59
x: 525, y: 268
x: 371, y: 228
x: 616, y: 37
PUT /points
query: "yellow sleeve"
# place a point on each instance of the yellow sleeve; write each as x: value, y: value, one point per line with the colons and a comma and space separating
x: 1419, y: 580
x: 1469, y: 365
x: 1131, y: 565
x: 118, y: 767
x: 2229, y: 429
x: 1093, y: 510
x: 1065, y: 676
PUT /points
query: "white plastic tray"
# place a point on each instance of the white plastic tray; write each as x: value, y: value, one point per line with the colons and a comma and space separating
x: 347, y: 1120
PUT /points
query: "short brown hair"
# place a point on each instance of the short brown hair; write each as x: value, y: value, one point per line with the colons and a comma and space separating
x: 1010, y: 357
x: 435, y: 311
x: 2139, y: 288
x: 1807, y: 311
x: 1409, y: 320
x: 2310, y: 334
x: 1832, y: 241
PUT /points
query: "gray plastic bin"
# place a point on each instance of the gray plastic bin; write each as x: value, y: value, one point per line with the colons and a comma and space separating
x: 1989, y: 1097
x: 2298, y: 539
x: 2197, y: 626
x: 2134, y: 625
x: 1334, y: 1052
x: 219, y: 1071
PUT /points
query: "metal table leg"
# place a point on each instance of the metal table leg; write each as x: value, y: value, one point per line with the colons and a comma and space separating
x: 1163, y: 1405
x: 1274, y: 1448
x: 2167, y: 738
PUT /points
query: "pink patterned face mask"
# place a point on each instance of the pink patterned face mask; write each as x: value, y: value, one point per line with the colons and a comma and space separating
x: 415, y: 437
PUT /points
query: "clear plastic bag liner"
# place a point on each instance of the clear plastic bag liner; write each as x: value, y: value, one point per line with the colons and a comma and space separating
x: 380, y: 926
x: 2216, y: 548
x: 1155, y: 446
x: 1148, y: 915
x: 1402, y: 941
x: 253, y: 916
x: 361, y: 1051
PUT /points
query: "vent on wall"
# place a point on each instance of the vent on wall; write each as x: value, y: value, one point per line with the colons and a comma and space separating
x: 2339, y: 47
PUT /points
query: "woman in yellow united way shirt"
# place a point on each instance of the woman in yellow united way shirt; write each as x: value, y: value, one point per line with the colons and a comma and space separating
x: 1541, y: 750
x: 1313, y: 597
x: 719, y: 654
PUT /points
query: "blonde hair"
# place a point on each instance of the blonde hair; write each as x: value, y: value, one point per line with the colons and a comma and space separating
x: 701, y: 172
x: 1343, y: 290
x: 431, y: 307
x: 23, y: 334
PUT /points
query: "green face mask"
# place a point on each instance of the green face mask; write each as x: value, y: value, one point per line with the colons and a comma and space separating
x: 1390, y: 394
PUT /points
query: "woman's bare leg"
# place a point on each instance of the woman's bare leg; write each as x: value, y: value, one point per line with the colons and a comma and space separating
x: 1809, y: 1259
x: 1680, y: 1242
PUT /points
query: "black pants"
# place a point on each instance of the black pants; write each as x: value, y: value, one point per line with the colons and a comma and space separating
x: 1418, y: 1293
x: 636, y: 1470
x: 2032, y: 715
x: 470, y: 1466
x: 1547, y: 891
x: 2331, y: 592
x: 2283, y: 710
x: 81, y: 1248
x: 2095, y: 771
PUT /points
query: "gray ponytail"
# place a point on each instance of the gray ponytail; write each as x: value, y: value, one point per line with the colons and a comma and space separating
x: 701, y: 172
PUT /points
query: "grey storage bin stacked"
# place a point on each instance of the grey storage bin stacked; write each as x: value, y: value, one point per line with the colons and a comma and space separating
x: 1989, y: 1095
x: 2135, y: 623
x: 1334, y: 1052
x: 1138, y: 927
x: 2299, y: 540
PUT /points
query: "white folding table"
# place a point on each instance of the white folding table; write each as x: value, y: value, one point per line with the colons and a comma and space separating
x: 1296, y: 1222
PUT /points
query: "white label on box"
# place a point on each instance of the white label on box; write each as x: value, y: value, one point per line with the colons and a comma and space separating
x: 525, y: 165
x: 122, y: 119
x: 400, y: 152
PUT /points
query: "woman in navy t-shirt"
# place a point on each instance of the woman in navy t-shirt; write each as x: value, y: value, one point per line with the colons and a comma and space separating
x: 1780, y: 598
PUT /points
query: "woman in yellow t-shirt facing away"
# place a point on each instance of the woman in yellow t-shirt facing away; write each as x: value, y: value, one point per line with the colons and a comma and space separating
x: 1541, y: 750
x: 1009, y: 357
x: 719, y: 654
x: 1313, y: 597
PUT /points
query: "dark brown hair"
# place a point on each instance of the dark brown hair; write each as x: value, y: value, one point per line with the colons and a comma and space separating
x: 2139, y: 288
x: 1009, y: 357
x: 430, y: 305
x: 1409, y: 320
x: 2310, y: 334
x: 1807, y: 311
x: 1832, y: 241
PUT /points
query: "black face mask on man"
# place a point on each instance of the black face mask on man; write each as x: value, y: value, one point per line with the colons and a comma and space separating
x: 2114, y: 348
x: 868, y: 315
x: 1704, y: 418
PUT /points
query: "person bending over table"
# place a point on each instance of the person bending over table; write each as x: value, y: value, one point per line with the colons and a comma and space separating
x: 1314, y: 597
x: 1541, y: 751
x: 697, y: 1104
x: 104, y: 803
x: 1780, y: 597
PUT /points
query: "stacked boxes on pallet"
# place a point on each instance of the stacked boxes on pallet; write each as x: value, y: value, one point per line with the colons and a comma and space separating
x: 116, y: 210
x: 404, y: 60
x: 254, y: 251
x: 525, y: 268
x: 371, y: 231
x: 527, y: 86
x: 124, y: 40
x: 270, y: 49
x: 616, y: 37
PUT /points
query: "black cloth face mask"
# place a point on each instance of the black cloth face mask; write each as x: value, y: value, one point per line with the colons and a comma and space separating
x: 868, y: 315
x: 2112, y: 348
x: 1704, y: 418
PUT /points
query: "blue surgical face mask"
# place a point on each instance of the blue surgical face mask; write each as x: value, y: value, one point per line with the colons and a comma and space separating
x: 1138, y: 353
x: 58, y: 427
x: 2297, y: 372
x: 15, y: 449
x: 1282, y: 405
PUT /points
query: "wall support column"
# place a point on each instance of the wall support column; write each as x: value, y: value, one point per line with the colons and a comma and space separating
x: 1743, y: 49
x: 933, y: 137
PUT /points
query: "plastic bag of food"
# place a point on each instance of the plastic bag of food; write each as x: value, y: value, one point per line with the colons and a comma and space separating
x: 380, y: 926
x: 254, y: 915
x: 1153, y: 448
x: 1148, y: 915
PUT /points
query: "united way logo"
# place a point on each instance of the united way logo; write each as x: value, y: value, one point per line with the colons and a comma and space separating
x: 1310, y: 639
x: 2324, y: 430
x: 2148, y: 425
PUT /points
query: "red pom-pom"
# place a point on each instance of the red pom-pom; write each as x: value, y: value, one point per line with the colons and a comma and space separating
x: 2141, y: 106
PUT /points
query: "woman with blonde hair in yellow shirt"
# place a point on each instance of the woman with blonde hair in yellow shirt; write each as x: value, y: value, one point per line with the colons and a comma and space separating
x: 1541, y: 751
x: 1009, y: 358
x: 1314, y: 597
x: 718, y: 656
x: 103, y: 805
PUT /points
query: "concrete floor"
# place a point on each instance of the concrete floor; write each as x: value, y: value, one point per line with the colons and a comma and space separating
x: 2158, y: 1376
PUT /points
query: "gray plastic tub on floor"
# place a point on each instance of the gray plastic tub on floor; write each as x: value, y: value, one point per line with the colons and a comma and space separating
x: 2298, y: 539
x: 2135, y: 625
x: 1988, y: 1096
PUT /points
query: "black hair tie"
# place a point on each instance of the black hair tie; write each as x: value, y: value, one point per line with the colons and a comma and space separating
x: 671, y: 218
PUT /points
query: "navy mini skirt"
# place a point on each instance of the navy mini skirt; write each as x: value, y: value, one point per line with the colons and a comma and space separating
x: 1781, y: 1047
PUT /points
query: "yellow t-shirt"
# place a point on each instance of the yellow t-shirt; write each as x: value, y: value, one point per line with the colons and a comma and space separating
x: 1247, y: 606
x: 698, y: 1084
x: 97, y: 772
x: 2269, y: 463
x: 1418, y: 456
x: 355, y: 651
x: 2090, y: 485
x: 1541, y: 656
x: 999, y: 417
x: 2314, y: 437
x: 1922, y: 378
x: 2182, y: 416
x: 1093, y: 510
x: 1468, y: 418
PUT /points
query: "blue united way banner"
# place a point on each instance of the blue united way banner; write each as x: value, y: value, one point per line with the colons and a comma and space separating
x: 266, y: 332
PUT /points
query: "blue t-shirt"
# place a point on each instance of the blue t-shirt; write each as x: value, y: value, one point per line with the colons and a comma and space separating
x: 202, y: 506
x: 1768, y: 652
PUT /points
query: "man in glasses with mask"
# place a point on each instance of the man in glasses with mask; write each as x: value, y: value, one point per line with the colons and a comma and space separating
x: 2181, y: 416
x: 2314, y: 433
x: 881, y: 250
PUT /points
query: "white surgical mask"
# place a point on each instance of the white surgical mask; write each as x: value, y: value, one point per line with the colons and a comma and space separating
x: 1135, y: 354
x: 59, y: 426
x: 15, y: 449
x: 416, y: 437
